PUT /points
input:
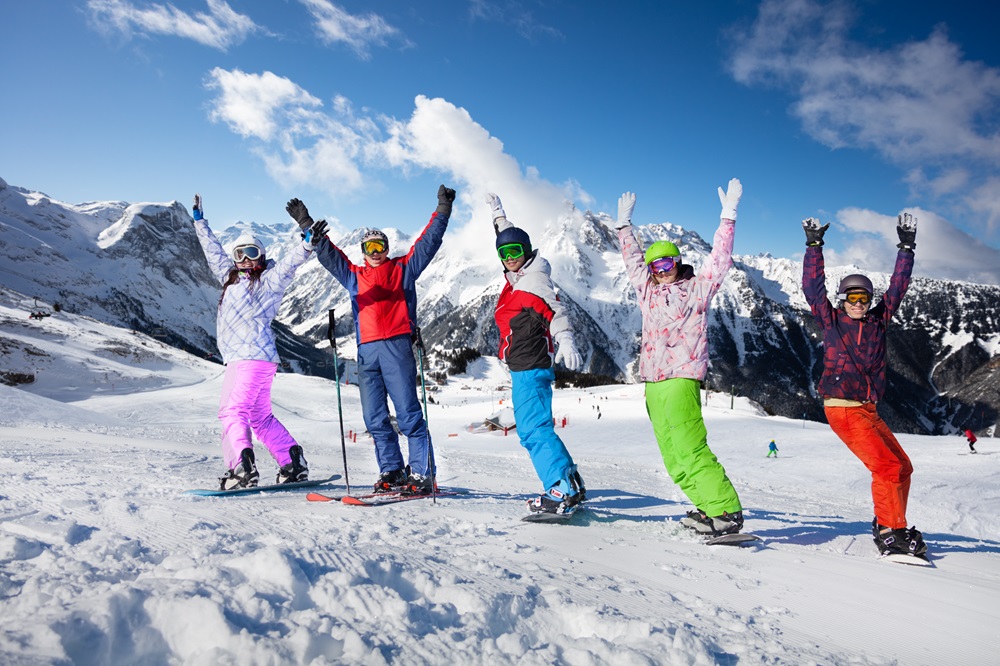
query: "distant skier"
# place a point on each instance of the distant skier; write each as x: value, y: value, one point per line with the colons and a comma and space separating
x: 533, y: 324
x: 853, y: 378
x: 673, y: 359
x: 772, y: 449
x: 971, y: 437
x: 384, y: 300
x: 252, y: 287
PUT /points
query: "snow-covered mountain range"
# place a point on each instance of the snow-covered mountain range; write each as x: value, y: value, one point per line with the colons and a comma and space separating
x: 139, y: 266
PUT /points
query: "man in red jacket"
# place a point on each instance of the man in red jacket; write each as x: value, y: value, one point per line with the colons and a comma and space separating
x: 853, y: 378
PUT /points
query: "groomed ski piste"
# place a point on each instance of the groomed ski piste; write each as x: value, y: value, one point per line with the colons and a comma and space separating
x: 104, y: 560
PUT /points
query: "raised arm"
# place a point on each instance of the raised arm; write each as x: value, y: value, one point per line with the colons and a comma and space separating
x: 218, y: 261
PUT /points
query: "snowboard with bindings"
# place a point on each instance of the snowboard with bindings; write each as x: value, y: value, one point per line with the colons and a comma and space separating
x: 382, y: 499
x: 911, y: 560
x: 738, y: 539
x: 274, y: 487
x: 546, y: 517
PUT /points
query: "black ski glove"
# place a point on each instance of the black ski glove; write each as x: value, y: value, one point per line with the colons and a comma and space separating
x: 315, y: 233
x: 446, y: 196
x: 300, y: 214
x: 906, y: 229
x: 814, y: 232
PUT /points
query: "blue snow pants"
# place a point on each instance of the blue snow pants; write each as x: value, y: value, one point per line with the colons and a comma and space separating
x: 387, y: 369
x: 532, y: 396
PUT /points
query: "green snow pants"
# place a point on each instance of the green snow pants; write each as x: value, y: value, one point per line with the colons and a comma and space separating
x: 674, y: 408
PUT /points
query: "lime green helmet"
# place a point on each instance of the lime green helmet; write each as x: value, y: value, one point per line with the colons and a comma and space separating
x: 661, y: 249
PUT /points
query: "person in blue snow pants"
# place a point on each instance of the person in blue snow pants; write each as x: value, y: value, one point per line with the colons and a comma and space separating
x: 532, y: 322
x: 383, y: 295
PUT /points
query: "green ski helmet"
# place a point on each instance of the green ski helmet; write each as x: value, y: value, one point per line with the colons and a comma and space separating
x: 661, y: 249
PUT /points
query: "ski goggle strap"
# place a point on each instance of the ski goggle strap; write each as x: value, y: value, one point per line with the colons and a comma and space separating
x: 510, y: 251
x: 662, y: 265
x: 373, y: 245
x: 246, y: 252
x: 862, y: 297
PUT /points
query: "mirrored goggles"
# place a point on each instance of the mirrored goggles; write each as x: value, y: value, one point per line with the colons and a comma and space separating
x: 246, y: 252
x: 510, y: 251
x: 372, y: 246
x: 662, y: 265
x: 862, y: 297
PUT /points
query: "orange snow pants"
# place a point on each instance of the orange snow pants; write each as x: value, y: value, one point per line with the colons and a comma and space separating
x: 869, y: 438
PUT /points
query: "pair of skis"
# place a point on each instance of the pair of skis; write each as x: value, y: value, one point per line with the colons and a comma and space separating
x: 381, y: 499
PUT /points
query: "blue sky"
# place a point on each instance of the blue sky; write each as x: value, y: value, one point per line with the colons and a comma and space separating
x: 848, y: 111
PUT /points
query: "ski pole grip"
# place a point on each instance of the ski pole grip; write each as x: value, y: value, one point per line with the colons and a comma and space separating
x: 330, y: 327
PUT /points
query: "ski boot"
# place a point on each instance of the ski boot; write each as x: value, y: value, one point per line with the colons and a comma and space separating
x: 244, y: 475
x: 390, y: 482
x: 296, y: 470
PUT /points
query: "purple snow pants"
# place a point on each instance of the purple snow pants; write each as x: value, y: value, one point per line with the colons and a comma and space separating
x: 246, y: 406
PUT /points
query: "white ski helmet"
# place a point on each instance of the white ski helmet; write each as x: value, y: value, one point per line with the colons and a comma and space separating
x: 247, y: 241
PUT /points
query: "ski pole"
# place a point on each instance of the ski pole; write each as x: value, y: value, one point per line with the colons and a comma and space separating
x: 419, y: 342
x: 340, y: 411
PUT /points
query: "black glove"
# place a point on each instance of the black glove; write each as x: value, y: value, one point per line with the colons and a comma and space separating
x: 300, y: 214
x: 446, y: 196
x: 814, y: 232
x: 315, y: 233
x: 906, y: 229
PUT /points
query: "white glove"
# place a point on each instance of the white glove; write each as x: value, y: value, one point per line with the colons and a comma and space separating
x: 566, y: 352
x: 625, y: 205
x: 731, y: 199
x: 495, y: 205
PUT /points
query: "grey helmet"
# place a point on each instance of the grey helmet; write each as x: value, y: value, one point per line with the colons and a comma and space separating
x: 374, y: 234
x: 854, y: 281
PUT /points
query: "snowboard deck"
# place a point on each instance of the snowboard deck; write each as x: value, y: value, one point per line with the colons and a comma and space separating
x: 382, y: 499
x: 273, y: 487
x: 739, y: 539
x: 545, y: 517
x: 911, y: 560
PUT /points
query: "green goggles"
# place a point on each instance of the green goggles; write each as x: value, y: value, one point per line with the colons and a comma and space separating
x: 510, y: 251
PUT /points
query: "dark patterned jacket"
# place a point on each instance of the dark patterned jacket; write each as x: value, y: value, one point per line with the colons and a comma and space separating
x: 853, y: 349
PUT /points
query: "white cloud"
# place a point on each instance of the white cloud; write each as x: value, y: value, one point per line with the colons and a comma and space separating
x: 919, y: 104
x: 943, y: 251
x: 252, y: 104
x: 340, y: 152
x: 220, y: 28
x: 360, y: 33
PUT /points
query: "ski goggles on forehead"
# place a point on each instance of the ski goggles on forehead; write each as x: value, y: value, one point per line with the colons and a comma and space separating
x: 251, y: 252
x: 662, y: 265
x: 510, y: 251
x: 373, y: 246
x: 862, y: 297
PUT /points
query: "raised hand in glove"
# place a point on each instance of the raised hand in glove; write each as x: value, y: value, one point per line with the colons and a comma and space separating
x: 566, y: 352
x: 300, y: 214
x: 196, y: 209
x: 495, y: 206
x: 814, y: 232
x: 315, y: 233
x: 906, y: 229
x: 626, y: 204
x: 446, y: 196
x: 730, y: 199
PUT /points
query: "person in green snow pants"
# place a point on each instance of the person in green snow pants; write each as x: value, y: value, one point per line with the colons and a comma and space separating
x: 673, y: 359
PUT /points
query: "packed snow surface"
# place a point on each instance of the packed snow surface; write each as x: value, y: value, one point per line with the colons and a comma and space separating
x: 104, y: 559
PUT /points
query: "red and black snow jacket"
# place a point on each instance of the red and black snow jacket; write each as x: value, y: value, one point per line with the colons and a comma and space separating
x: 384, y: 298
x: 853, y: 349
x: 529, y: 315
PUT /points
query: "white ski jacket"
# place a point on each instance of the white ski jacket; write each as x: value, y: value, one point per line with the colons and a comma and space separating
x: 248, y: 307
